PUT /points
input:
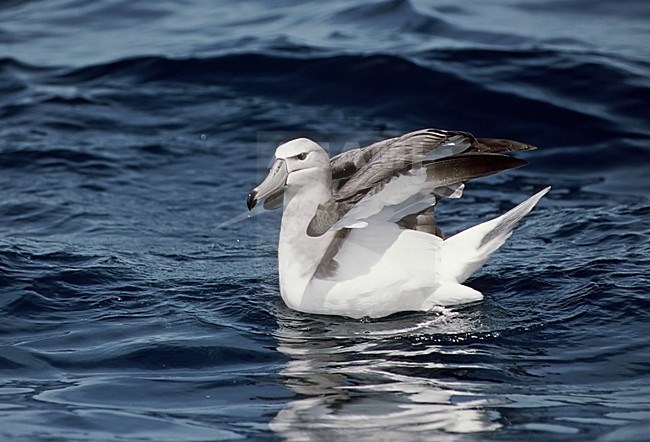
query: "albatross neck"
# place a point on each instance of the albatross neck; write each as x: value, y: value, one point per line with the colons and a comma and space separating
x: 298, y: 253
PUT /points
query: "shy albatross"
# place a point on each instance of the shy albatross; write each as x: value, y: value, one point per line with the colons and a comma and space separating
x: 358, y: 236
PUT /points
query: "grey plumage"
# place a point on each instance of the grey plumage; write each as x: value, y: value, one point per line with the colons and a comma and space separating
x: 345, y: 164
x: 450, y: 158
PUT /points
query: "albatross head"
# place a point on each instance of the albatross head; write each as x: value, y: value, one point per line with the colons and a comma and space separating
x: 297, y: 162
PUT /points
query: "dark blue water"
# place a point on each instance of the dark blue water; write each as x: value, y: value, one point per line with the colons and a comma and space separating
x: 135, y: 305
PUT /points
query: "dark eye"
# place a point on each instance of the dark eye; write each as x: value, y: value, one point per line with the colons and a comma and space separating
x: 301, y: 156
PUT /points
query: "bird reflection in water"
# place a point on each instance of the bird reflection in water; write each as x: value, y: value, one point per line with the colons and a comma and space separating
x: 389, y: 379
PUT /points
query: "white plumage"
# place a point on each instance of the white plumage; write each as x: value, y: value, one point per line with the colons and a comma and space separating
x: 365, y: 264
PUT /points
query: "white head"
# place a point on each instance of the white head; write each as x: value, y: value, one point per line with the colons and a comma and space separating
x: 297, y: 163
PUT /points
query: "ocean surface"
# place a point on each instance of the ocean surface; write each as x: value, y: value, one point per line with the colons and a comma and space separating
x: 138, y: 301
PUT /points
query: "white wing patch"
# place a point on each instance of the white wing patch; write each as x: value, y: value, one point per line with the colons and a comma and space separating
x: 382, y: 202
x: 403, y: 195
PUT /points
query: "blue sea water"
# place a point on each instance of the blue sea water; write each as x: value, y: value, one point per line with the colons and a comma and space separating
x: 138, y: 302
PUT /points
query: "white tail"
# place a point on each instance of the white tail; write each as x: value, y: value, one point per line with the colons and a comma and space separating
x: 465, y: 252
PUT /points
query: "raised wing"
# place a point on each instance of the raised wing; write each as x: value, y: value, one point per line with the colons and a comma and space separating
x: 409, y: 187
x: 347, y: 163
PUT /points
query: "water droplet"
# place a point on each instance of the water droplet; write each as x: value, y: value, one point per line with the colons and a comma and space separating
x: 204, y: 137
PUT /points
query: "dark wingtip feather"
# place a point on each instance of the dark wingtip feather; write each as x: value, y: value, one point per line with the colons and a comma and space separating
x: 497, y: 145
x: 466, y: 167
